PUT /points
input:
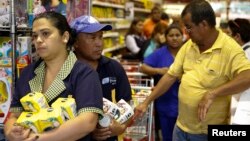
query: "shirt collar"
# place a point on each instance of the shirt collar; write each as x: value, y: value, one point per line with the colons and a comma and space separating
x: 57, y: 86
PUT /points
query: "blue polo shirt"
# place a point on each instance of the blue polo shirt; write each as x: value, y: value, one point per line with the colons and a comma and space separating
x: 113, y: 77
x: 167, y: 104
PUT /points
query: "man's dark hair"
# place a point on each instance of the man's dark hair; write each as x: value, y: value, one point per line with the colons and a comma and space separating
x: 200, y: 10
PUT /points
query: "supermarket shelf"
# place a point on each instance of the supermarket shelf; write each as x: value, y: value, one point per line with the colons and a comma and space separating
x: 110, y: 34
x: 142, y: 10
x: 106, y: 4
x: 110, y: 49
x: 21, y: 29
x: 110, y: 19
x: 122, y: 27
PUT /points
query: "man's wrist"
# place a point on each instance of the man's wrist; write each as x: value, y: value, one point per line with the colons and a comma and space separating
x: 211, y: 93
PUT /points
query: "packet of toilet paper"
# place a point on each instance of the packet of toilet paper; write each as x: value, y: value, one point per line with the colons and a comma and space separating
x: 111, y: 109
x: 34, y: 102
x: 68, y: 106
x: 50, y: 118
x: 29, y: 120
x: 126, y: 111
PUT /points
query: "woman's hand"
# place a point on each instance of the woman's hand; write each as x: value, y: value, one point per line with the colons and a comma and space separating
x: 17, y: 133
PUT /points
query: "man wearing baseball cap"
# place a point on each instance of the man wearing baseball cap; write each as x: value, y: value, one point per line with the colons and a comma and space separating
x: 88, y: 49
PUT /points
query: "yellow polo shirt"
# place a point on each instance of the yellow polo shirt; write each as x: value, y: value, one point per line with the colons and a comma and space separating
x: 201, y: 72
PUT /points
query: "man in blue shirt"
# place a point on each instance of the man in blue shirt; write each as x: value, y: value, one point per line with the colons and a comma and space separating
x: 88, y: 48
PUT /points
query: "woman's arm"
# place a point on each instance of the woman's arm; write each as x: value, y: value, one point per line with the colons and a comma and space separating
x: 131, y: 44
x: 152, y: 71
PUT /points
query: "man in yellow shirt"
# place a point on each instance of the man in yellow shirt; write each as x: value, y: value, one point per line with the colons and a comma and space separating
x: 212, y: 67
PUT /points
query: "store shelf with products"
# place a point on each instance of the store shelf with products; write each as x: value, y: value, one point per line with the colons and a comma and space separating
x: 114, y: 13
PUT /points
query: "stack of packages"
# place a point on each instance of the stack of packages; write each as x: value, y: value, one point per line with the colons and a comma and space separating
x: 39, y: 117
x: 120, y: 111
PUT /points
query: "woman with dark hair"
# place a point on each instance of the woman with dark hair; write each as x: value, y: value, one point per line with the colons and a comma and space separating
x: 134, y: 39
x: 239, y: 29
x: 56, y: 74
x: 156, y: 65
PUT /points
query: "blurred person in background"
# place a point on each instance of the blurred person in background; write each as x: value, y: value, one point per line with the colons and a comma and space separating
x: 134, y: 40
x: 239, y: 29
x: 165, y: 17
x: 156, y: 65
x: 154, y: 18
x: 115, y: 85
x: 55, y: 5
x: 156, y: 40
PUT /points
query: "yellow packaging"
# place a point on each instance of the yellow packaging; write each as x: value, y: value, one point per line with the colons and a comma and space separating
x: 50, y: 118
x: 29, y: 120
x: 34, y: 102
x: 68, y: 106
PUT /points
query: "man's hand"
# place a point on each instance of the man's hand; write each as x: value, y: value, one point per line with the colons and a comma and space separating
x: 140, y: 110
x: 101, y: 133
x: 204, y: 105
x: 116, y: 128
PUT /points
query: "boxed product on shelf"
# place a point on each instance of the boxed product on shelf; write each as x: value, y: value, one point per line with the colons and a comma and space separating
x: 21, y: 11
x: 5, y: 93
x: 76, y: 8
x: 24, y: 50
x: 4, y: 13
x: 5, y: 51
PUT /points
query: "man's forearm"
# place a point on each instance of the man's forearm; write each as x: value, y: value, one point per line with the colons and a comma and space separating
x: 162, y: 86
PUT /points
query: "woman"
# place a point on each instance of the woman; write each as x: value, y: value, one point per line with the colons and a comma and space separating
x: 157, y: 64
x: 57, y: 74
x: 239, y: 29
x: 156, y: 40
x: 134, y: 39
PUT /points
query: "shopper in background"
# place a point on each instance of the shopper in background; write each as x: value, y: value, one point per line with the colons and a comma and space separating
x: 156, y: 40
x: 134, y: 40
x: 239, y: 29
x: 88, y: 49
x: 165, y: 17
x: 211, y: 66
x: 156, y: 65
x: 57, y: 74
x: 149, y: 23
x: 54, y: 5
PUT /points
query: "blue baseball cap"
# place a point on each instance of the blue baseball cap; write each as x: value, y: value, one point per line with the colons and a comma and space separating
x: 88, y: 24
